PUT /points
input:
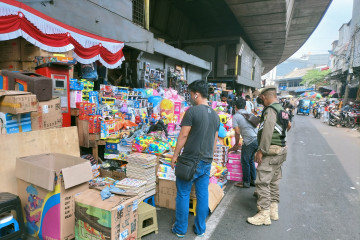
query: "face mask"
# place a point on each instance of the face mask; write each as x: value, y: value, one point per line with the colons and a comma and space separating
x: 260, y: 101
x: 192, y: 101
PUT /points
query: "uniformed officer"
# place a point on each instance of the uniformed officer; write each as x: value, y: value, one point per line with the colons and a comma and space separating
x: 271, y: 154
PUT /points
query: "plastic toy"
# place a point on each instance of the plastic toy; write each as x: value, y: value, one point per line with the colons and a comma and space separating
x: 137, y: 120
x: 223, y: 118
x: 222, y: 131
x: 159, y: 126
x: 167, y: 106
x: 220, y: 170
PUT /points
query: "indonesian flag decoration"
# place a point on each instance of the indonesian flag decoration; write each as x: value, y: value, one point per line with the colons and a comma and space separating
x: 20, y: 20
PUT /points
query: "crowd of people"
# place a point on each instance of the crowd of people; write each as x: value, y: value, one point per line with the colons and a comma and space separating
x: 264, y: 142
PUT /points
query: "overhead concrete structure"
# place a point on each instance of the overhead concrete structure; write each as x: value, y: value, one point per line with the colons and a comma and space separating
x: 231, y: 40
x: 276, y: 29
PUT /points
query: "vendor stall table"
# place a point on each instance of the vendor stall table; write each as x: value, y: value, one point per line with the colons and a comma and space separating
x: 86, y: 139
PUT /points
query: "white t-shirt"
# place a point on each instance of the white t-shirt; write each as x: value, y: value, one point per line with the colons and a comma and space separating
x: 249, y: 106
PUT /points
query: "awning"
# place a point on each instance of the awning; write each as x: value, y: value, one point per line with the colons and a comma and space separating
x: 304, y: 90
x: 20, y: 20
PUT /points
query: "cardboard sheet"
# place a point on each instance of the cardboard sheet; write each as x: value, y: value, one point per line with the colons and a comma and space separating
x: 58, y: 140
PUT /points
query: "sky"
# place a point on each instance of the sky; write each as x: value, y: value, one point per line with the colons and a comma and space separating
x: 339, y: 12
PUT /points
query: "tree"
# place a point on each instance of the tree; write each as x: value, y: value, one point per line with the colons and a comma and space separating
x: 315, y: 77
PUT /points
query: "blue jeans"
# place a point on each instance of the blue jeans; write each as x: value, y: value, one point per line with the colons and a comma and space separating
x: 201, y: 180
x: 247, y: 161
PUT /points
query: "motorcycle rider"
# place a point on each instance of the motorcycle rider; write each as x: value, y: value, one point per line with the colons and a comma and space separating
x: 316, y: 110
x: 290, y: 108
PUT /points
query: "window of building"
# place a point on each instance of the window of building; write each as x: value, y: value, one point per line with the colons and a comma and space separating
x: 282, y: 84
x: 139, y: 12
x: 253, y: 73
x: 239, y: 66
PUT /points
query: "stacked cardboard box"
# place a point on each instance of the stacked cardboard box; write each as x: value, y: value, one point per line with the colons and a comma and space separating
x: 14, y: 123
x: 48, y: 115
x: 113, y: 218
x: 234, y: 167
x: 19, y: 54
x: 142, y: 166
x: 15, y: 108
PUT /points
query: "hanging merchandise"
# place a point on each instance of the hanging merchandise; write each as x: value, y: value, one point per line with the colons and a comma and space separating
x: 177, y: 80
x: 89, y: 72
x: 152, y: 78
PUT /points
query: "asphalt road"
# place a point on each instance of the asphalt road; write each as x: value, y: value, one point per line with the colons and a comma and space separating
x: 319, y: 192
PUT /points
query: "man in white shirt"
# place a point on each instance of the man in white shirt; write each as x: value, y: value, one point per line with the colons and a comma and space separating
x: 250, y: 108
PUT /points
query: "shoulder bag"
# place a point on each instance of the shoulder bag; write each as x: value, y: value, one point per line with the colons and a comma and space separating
x: 252, y: 119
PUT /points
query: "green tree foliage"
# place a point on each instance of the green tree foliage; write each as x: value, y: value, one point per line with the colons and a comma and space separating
x: 316, y: 77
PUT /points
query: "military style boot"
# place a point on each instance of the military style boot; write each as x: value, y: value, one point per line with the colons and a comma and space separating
x: 274, y: 215
x: 261, y: 218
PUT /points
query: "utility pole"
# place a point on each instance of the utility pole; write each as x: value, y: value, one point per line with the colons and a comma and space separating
x: 350, y: 70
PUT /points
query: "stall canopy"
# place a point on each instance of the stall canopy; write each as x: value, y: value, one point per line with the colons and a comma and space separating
x: 20, y: 20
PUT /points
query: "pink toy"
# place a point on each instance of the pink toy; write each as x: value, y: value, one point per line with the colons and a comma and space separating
x: 214, y: 105
x: 213, y: 180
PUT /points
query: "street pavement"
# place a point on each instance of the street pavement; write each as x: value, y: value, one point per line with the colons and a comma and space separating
x: 319, y: 192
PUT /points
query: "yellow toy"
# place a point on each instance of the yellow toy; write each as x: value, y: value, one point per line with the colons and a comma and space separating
x: 219, y: 171
x: 227, y: 141
x: 169, y: 118
x: 223, y: 118
x: 167, y: 106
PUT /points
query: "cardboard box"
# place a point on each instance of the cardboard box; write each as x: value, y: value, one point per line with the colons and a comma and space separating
x: 236, y: 179
x: 11, y: 66
x: 215, y: 196
x: 30, y: 51
x: 10, y: 50
x: 28, y: 66
x: 14, y: 123
x: 231, y: 161
x: 47, y: 185
x: 75, y: 97
x: 18, y: 66
x: 167, y: 194
x: 234, y: 156
x: 157, y: 195
x: 113, y: 218
x: 47, y: 116
x: 235, y: 174
x: 16, y: 102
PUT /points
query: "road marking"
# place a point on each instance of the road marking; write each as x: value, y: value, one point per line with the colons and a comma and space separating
x: 217, y: 215
x: 330, y: 154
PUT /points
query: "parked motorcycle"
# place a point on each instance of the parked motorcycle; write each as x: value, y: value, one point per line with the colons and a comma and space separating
x: 349, y: 120
x: 334, y: 117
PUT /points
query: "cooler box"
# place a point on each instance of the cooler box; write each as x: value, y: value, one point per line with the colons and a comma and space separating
x: 29, y: 82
